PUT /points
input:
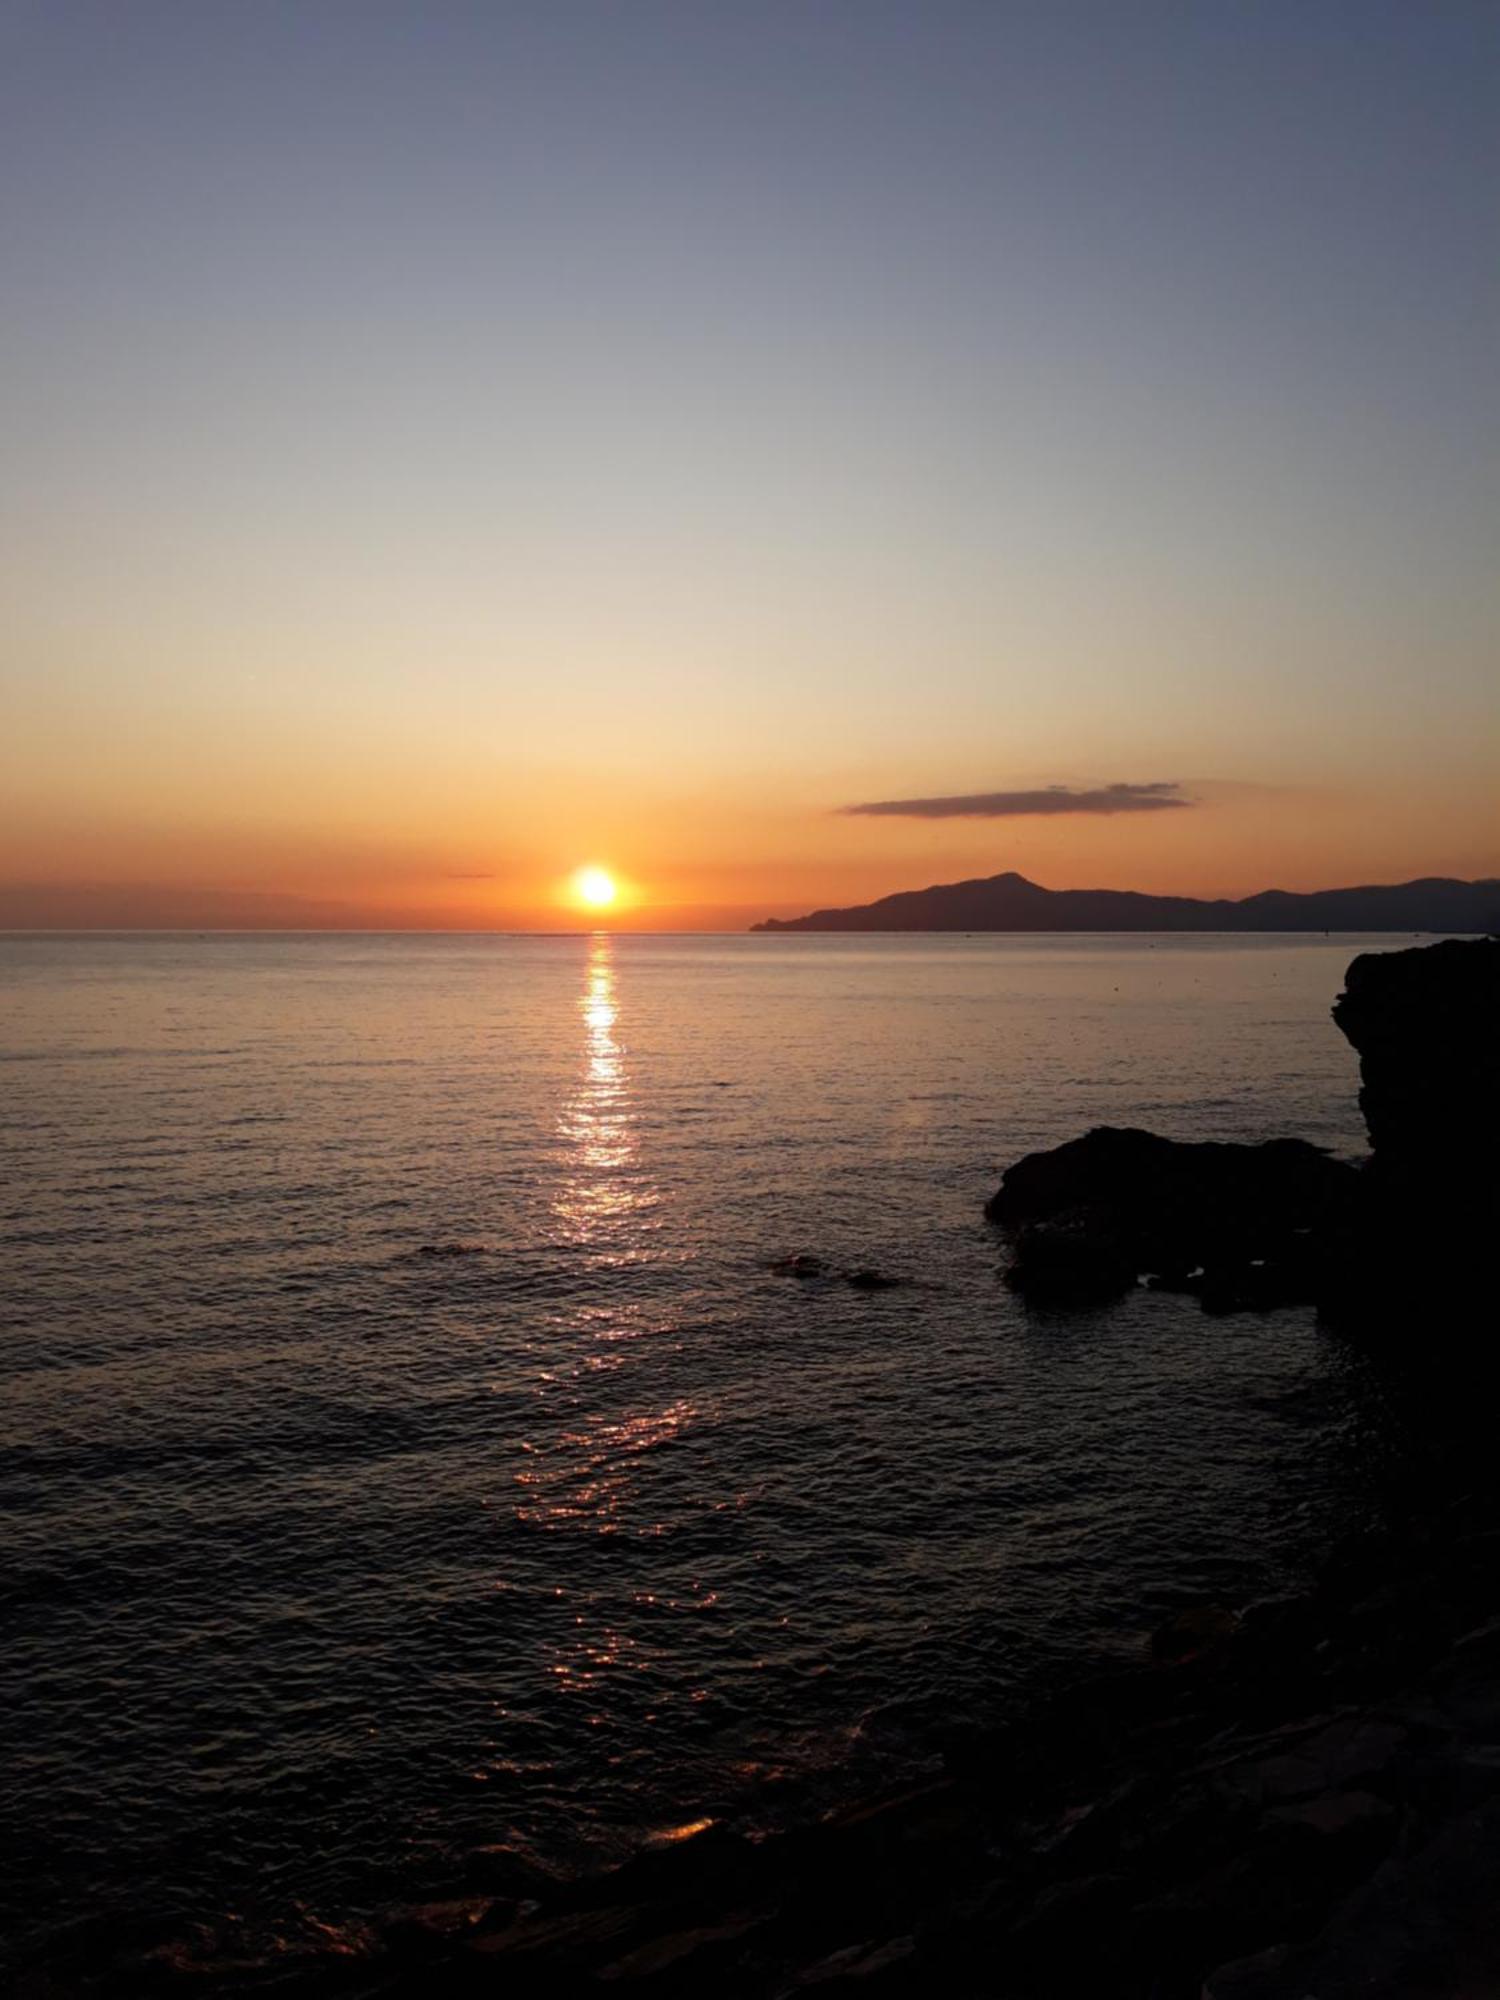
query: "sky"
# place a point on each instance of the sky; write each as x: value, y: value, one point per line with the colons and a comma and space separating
x: 447, y: 444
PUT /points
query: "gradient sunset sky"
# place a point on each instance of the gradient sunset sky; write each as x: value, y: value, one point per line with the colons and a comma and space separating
x: 448, y: 443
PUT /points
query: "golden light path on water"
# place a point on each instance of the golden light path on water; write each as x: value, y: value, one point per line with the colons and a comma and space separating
x: 582, y: 1476
x: 598, y: 1193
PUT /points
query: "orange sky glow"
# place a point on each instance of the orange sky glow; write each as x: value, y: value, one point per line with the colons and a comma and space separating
x: 445, y: 452
x: 701, y: 864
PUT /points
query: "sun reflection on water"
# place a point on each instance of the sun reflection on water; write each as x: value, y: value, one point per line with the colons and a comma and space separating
x: 587, y: 1480
x: 601, y: 1190
x: 584, y: 1474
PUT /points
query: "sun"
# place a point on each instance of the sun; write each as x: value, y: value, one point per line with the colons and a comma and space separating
x: 596, y: 887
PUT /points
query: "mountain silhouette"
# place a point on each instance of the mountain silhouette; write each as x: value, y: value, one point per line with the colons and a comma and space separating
x: 1010, y: 903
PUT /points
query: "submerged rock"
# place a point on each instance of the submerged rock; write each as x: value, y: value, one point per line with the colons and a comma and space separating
x: 866, y: 1280
x: 455, y: 1249
x: 799, y: 1266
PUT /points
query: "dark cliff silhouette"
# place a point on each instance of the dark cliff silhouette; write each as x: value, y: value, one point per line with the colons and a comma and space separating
x: 1010, y: 903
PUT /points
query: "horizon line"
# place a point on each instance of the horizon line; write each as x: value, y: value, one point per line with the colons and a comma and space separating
x: 755, y: 930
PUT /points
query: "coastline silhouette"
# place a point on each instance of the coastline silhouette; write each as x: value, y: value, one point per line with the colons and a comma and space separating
x: 1010, y: 902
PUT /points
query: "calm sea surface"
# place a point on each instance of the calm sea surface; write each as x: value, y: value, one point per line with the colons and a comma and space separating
x: 409, y: 1449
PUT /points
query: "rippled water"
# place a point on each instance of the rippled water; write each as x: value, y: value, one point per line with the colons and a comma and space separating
x: 409, y: 1448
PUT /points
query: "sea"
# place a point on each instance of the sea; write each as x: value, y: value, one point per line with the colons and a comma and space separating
x: 424, y: 1469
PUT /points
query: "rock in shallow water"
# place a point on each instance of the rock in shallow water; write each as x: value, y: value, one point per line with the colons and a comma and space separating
x: 799, y: 1266
x: 1239, y: 1225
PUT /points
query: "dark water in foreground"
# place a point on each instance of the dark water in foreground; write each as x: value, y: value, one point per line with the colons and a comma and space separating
x: 329, y: 1560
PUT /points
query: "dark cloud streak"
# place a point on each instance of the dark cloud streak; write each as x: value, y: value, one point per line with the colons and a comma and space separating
x: 1014, y: 805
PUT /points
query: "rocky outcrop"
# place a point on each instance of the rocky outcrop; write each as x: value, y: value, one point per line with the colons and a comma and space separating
x: 1250, y: 1227
x: 1239, y: 1225
x: 1426, y: 1025
x: 1419, y: 1249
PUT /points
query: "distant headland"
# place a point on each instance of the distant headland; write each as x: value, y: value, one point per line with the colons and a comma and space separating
x: 1010, y: 903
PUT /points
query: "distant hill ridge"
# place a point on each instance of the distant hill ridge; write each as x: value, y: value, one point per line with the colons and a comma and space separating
x: 1010, y: 903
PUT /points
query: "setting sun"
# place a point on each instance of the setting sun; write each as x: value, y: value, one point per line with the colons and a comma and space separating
x: 596, y: 887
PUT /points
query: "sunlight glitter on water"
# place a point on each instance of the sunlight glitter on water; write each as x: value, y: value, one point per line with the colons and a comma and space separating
x: 587, y: 1480
x: 600, y: 1190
